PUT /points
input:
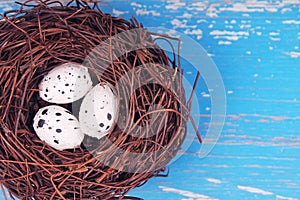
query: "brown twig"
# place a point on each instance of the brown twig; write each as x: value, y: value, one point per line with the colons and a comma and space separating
x: 43, y: 34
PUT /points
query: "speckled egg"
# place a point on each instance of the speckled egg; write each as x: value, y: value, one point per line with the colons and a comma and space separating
x: 98, y: 111
x: 65, y: 83
x: 58, y: 127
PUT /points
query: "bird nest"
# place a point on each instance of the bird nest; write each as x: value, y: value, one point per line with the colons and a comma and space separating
x: 152, y: 111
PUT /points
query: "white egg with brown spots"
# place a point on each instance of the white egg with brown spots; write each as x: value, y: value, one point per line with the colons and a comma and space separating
x: 58, y: 127
x: 65, y: 83
x: 98, y: 111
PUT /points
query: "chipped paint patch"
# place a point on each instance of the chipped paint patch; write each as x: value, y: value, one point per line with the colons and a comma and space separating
x: 147, y: 12
x: 254, y: 190
x: 228, y: 36
x: 198, y: 6
x: 175, y: 5
x: 186, y: 193
x: 274, y: 33
x: 275, y: 39
x: 197, y: 32
x: 279, y: 197
x: 213, y: 180
x: 201, y: 21
x: 119, y: 12
x: 293, y: 54
x: 204, y: 94
x: 224, y: 42
x: 181, y: 24
x: 240, y: 7
x: 291, y: 22
x: 234, y: 37
x: 134, y: 4
x: 236, y: 33
x: 186, y: 15
x: 172, y: 33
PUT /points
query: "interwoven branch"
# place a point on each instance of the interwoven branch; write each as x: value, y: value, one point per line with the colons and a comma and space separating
x: 38, y: 37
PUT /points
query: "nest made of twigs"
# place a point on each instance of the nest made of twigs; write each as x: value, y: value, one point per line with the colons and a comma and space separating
x: 33, y: 40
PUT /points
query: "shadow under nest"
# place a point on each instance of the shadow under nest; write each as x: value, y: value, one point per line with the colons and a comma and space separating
x: 44, y: 34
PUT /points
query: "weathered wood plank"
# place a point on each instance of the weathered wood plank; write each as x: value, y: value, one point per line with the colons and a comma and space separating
x: 255, y: 45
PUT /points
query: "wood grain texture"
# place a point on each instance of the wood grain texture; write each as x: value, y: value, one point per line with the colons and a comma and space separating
x: 255, y: 45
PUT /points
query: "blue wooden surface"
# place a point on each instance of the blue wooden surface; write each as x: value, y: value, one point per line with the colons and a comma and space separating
x: 255, y: 45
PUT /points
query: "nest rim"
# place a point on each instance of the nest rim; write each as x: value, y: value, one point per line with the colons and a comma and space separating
x: 31, y: 47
